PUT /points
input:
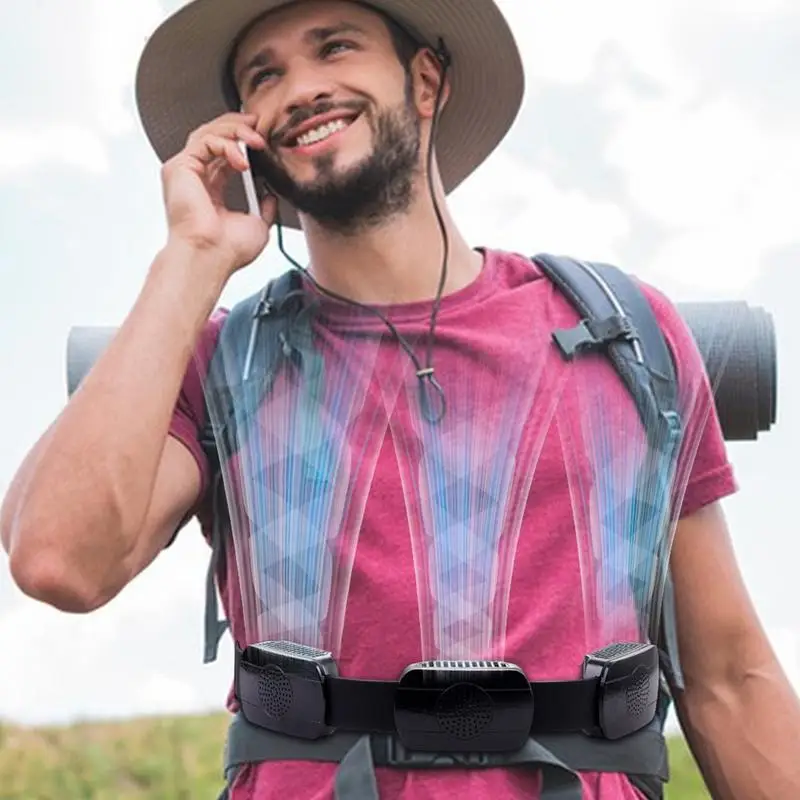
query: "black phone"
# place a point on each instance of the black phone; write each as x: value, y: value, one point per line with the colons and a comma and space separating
x: 255, y: 194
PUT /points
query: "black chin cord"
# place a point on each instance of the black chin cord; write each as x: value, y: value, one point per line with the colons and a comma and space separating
x: 429, y: 388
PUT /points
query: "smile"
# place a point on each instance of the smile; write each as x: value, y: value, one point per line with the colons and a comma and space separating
x: 321, y: 132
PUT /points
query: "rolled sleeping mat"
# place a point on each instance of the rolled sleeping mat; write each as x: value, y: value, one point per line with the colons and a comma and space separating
x: 738, y: 346
x: 85, y: 344
x: 737, y: 343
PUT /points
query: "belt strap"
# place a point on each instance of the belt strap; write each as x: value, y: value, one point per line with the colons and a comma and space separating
x: 369, y: 705
x: 559, y: 757
x: 360, y: 705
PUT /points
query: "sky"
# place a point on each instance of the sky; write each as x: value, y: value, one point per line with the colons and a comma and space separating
x: 660, y: 136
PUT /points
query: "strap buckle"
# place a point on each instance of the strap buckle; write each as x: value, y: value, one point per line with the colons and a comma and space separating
x: 592, y: 334
x: 399, y: 756
x: 672, y: 421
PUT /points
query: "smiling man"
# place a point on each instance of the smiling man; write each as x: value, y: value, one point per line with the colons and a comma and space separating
x: 343, y: 157
x: 412, y: 486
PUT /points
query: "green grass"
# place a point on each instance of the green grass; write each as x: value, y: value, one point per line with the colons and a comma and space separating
x: 170, y: 758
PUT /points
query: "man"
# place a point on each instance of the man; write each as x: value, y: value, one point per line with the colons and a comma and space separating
x: 338, y: 108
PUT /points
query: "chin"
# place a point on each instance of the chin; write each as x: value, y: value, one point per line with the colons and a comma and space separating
x: 333, y: 167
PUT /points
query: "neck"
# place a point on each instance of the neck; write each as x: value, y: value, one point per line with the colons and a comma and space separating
x: 397, y: 262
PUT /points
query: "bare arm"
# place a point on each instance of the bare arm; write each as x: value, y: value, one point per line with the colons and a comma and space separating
x: 739, y: 712
x: 103, y: 489
x: 81, y: 517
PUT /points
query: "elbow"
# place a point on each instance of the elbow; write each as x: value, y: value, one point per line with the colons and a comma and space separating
x: 73, y: 563
x: 50, y: 580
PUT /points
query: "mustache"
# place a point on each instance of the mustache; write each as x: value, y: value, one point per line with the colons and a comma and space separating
x: 301, y: 115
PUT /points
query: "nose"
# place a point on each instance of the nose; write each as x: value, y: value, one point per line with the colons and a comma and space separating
x: 306, y: 99
x: 305, y: 85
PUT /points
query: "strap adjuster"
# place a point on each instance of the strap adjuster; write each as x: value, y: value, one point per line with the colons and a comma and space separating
x: 592, y: 334
x: 396, y: 754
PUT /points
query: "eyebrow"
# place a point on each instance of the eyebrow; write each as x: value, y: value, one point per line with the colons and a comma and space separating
x: 266, y: 55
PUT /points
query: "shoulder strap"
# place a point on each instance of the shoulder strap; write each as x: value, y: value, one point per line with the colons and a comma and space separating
x: 616, y: 317
x: 253, y: 344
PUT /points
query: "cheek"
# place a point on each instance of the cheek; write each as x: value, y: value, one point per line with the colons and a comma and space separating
x: 360, y: 136
x: 264, y: 107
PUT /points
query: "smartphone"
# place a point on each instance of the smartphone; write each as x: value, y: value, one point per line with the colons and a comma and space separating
x: 253, y: 205
x: 249, y: 184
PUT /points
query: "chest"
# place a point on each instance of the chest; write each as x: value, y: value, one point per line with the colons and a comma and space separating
x: 480, y: 530
x: 462, y: 517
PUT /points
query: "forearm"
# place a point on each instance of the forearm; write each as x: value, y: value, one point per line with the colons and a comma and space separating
x: 744, y: 732
x: 80, y: 498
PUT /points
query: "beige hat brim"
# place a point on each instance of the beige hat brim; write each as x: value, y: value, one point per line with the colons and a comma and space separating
x: 179, y: 82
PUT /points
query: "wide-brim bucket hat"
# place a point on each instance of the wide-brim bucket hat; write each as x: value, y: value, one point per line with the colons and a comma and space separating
x: 180, y: 77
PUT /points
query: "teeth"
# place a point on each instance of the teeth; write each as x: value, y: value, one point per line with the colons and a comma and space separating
x: 322, y: 132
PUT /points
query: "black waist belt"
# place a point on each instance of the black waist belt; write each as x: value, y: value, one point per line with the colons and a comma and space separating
x: 446, y: 706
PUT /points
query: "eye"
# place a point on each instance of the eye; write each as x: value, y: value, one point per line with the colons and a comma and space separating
x: 331, y: 48
x: 260, y: 76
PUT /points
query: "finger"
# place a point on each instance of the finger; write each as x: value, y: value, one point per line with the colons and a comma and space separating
x: 210, y: 147
x: 228, y: 120
x: 230, y: 129
x: 219, y: 168
x: 219, y: 173
x: 251, y: 137
x: 244, y: 133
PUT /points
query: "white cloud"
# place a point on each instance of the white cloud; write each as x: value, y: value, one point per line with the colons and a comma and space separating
x: 565, y: 42
x: 511, y: 205
x: 786, y: 642
x: 110, y: 38
x: 117, y: 34
x: 725, y: 186
x: 686, y: 166
x: 24, y: 148
x: 140, y: 654
x: 164, y: 694
x: 722, y: 183
x: 570, y: 41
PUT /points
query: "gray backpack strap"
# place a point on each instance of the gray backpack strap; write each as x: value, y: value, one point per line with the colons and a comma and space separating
x: 669, y: 634
x: 214, y: 626
x: 617, y: 319
x: 253, y: 345
x: 560, y: 757
x: 255, y: 340
x: 356, y: 777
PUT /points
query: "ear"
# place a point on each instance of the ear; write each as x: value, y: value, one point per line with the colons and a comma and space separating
x: 428, y: 73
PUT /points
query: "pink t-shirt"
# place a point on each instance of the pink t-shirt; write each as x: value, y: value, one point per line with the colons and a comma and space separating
x: 500, y: 478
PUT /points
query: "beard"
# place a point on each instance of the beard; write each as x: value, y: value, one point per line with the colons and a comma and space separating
x: 364, y: 195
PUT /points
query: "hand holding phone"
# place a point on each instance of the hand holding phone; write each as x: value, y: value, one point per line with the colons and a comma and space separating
x: 195, y: 183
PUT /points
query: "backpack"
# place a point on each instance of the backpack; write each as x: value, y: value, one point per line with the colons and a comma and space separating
x: 257, y: 338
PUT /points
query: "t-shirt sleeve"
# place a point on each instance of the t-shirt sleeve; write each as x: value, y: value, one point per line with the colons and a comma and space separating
x: 705, y: 473
x: 189, y: 416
